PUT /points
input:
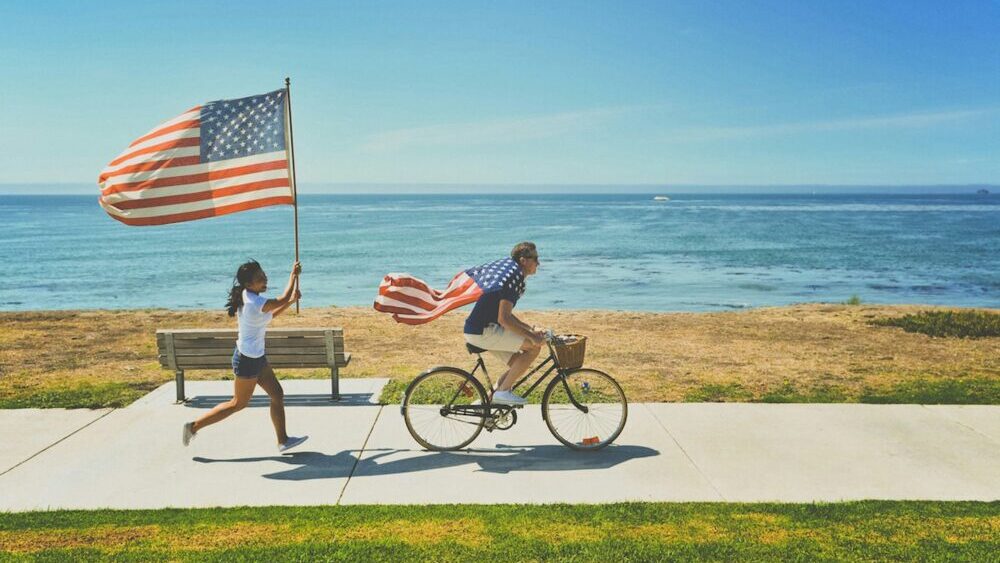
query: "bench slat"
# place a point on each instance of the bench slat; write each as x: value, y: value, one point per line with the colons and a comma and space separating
x: 228, y: 353
x: 273, y: 329
x: 278, y: 369
x: 187, y: 344
x: 278, y: 360
x: 228, y: 350
x: 226, y: 332
x: 186, y: 362
x: 231, y: 335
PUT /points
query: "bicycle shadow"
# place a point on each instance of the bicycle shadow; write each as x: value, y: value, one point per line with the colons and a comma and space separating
x: 505, y: 459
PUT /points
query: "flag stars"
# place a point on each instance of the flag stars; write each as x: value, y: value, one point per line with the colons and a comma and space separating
x: 240, y: 128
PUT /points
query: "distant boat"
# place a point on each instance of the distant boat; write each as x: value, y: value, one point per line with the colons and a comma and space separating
x: 983, y: 191
x: 661, y: 198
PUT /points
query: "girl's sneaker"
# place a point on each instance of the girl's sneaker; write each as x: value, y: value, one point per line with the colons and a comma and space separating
x: 187, y: 434
x: 291, y: 443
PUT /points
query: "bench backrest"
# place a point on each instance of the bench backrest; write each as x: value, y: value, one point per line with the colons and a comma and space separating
x: 181, y: 349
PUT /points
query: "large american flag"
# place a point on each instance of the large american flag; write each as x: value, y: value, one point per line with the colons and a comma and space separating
x: 218, y: 158
x: 411, y: 301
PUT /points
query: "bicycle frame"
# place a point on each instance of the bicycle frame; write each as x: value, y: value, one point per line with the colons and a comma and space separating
x: 554, y: 367
x: 471, y: 402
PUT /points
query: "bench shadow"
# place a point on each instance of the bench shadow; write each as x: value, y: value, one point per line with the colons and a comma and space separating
x: 504, y: 459
x: 291, y: 400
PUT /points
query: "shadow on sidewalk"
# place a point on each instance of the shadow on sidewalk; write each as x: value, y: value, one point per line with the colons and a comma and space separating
x: 504, y: 459
x: 291, y: 400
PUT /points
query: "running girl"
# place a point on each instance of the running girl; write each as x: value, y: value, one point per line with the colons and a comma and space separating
x: 253, y: 312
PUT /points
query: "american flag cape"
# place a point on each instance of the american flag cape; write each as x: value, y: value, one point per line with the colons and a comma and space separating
x: 413, y: 302
x: 218, y: 158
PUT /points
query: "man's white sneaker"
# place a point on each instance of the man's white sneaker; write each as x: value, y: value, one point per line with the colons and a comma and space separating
x: 187, y: 434
x: 291, y: 443
x: 508, y: 398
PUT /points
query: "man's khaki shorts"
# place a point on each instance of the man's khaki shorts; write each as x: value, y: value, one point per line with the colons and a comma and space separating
x: 501, y: 343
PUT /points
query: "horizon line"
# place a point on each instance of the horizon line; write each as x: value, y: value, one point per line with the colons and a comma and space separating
x: 567, y: 189
x: 590, y: 184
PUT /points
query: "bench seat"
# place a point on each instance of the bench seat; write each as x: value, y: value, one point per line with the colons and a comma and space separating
x: 199, y: 348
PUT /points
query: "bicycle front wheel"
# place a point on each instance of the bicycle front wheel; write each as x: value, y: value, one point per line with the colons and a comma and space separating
x: 445, y: 409
x: 595, y: 419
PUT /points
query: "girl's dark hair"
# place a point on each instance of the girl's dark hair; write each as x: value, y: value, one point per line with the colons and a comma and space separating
x: 244, y: 275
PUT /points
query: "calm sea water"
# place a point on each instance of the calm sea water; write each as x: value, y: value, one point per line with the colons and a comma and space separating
x: 693, y: 253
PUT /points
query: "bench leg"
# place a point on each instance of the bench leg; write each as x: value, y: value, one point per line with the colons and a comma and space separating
x: 335, y: 382
x: 179, y: 380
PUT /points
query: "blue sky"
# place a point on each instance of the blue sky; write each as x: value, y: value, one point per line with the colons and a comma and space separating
x: 535, y: 92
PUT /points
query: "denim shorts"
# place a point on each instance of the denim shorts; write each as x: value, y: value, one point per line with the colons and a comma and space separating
x: 245, y: 366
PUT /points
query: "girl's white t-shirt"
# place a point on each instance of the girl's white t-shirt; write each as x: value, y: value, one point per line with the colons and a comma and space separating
x: 253, y: 324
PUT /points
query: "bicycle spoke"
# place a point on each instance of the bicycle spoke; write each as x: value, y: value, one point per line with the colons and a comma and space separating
x: 605, y: 405
x: 433, y: 424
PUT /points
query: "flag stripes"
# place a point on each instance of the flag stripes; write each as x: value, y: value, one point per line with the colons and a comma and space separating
x: 411, y: 301
x: 218, y: 158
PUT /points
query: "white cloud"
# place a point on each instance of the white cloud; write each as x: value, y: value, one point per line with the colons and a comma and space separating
x: 492, y: 131
x: 900, y: 121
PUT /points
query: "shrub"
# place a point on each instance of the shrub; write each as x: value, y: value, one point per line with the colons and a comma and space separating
x: 958, y: 324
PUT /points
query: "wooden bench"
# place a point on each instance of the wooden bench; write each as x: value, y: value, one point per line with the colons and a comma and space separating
x: 197, y: 348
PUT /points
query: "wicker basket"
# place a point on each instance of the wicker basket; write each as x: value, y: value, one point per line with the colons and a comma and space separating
x: 570, y: 349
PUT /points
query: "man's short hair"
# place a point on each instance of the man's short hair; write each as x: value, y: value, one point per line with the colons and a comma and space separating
x: 523, y: 250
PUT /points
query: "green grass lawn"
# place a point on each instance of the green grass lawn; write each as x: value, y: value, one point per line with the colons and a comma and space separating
x: 857, y: 531
x: 942, y: 324
x: 77, y: 396
x: 926, y: 389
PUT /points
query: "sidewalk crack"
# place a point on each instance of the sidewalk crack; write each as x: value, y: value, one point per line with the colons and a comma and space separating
x: 683, y: 451
x: 357, y: 460
x: 57, y: 442
x: 945, y: 416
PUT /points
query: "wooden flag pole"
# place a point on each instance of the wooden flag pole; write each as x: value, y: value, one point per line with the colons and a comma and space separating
x: 290, y: 152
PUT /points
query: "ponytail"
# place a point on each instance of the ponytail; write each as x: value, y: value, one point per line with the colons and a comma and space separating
x: 244, y: 275
x: 235, y: 300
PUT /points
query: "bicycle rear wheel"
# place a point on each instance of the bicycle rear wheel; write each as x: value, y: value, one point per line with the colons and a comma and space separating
x: 603, y: 399
x: 439, y: 409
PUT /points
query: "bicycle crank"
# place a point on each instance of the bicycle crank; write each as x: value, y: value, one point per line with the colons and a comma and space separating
x: 502, y: 421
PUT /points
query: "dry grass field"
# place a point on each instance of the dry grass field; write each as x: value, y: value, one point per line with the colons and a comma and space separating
x: 802, y: 353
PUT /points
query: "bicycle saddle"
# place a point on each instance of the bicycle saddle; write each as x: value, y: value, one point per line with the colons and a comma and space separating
x: 474, y: 349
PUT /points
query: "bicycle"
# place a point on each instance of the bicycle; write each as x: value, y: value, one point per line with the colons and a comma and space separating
x: 445, y: 408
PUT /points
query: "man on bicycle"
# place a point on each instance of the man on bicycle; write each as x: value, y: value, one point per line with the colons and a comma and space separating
x: 493, y: 326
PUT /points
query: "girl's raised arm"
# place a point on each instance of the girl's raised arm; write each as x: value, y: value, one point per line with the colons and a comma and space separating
x: 288, y: 297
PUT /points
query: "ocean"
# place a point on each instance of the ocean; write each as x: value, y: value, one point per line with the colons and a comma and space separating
x: 694, y: 252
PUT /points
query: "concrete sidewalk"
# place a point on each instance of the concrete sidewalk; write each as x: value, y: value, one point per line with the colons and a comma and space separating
x: 360, y: 452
